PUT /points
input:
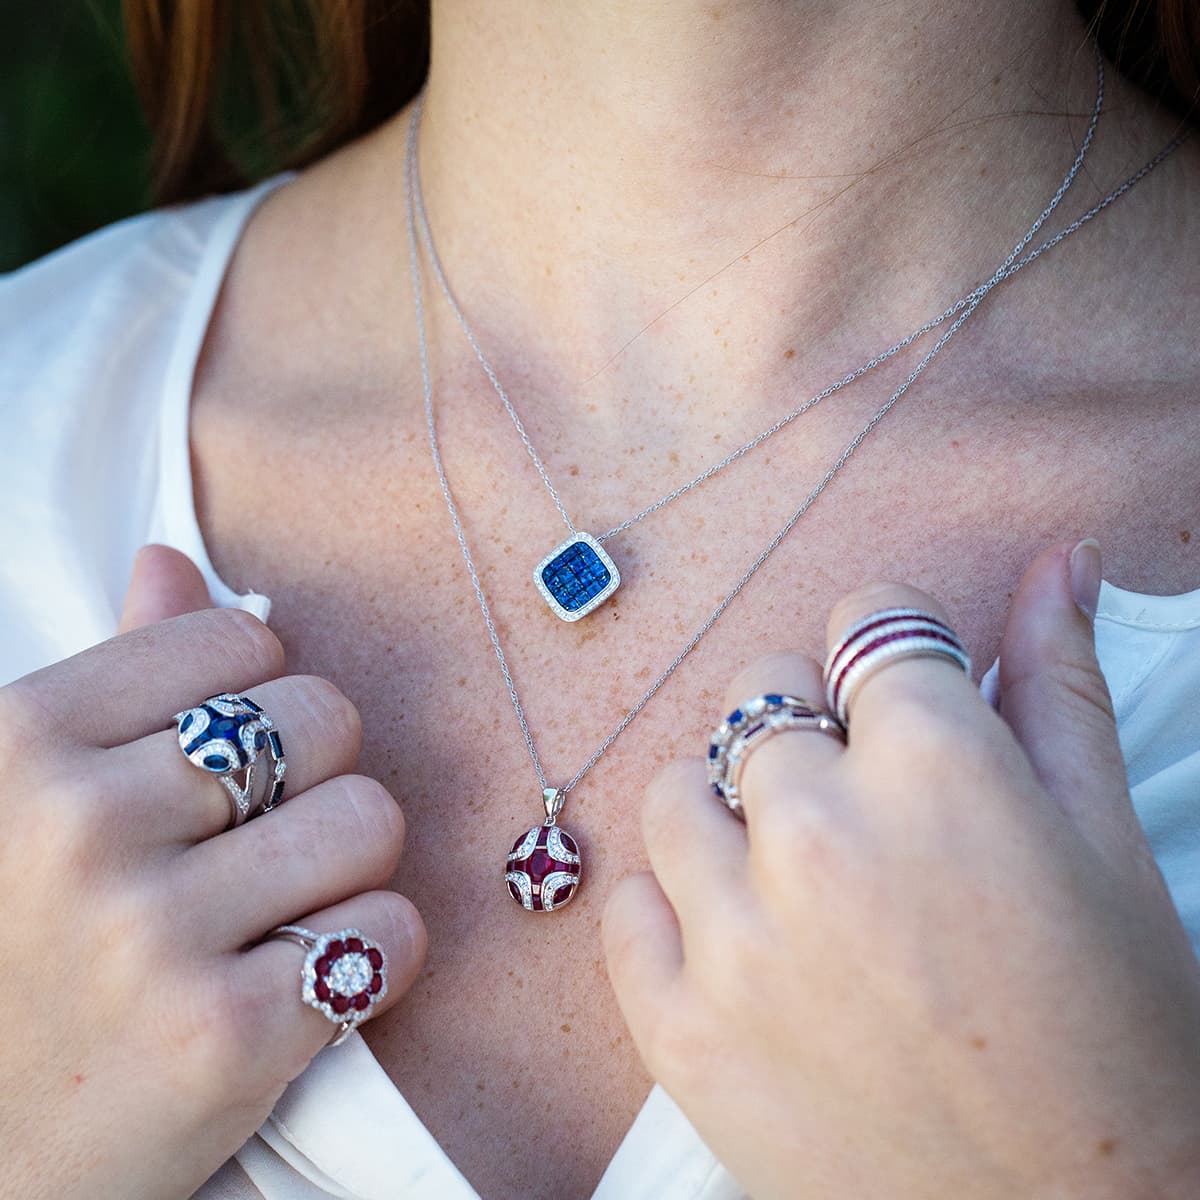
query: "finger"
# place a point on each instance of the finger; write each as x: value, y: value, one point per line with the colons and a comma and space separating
x: 782, y: 759
x: 339, y: 838
x: 321, y: 734
x: 643, y: 951
x: 927, y: 690
x: 280, y: 1033
x: 1055, y: 699
x: 129, y: 686
x: 697, y: 847
x: 162, y: 584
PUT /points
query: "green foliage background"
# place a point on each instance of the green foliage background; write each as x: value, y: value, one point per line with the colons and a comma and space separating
x: 74, y: 149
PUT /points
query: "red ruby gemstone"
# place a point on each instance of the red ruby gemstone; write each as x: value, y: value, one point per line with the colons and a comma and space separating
x: 322, y: 989
x: 375, y: 984
x: 361, y: 1001
x: 322, y: 965
x: 335, y: 950
x: 375, y: 958
x: 340, y: 1003
x: 354, y: 945
x: 540, y: 864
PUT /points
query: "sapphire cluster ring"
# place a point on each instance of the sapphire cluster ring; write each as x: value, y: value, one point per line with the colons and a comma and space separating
x: 751, y: 724
x: 343, y: 976
x: 228, y: 736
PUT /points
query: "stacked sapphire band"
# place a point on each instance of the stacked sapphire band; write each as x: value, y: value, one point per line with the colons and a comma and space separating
x: 749, y: 726
x: 227, y: 736
x: 882, y: 638
x: 343, y: 975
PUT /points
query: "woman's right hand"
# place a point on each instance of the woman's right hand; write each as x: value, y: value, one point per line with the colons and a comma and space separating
x: 147, y: 1034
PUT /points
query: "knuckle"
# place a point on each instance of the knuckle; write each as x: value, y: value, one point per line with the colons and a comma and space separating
x: 210, y: 1028
x: 794, y: 839
x: 331, y: 711
x: 233, y: 632
x: 874, y: 597
x: 678, y: 1048
x: 922, y: 738
x: 67, y: 831
x: 1084, y: 683
x: 666, y: 794
x: 24, y: 722
x: 732, y: 949
x: 378, y: 821
x: 403, y: 931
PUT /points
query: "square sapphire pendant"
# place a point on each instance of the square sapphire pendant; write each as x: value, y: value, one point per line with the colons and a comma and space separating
x: 576, y: 577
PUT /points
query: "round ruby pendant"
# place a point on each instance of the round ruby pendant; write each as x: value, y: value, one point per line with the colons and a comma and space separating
x: 542, y: 871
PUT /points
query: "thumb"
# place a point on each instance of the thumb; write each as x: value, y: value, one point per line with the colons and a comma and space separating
x: 1055, y: 699
x: 163, y: 583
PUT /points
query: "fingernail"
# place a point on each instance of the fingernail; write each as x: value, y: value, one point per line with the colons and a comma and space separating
x: 1085, y: 576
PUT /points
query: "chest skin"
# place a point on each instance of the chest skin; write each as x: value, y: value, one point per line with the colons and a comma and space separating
x: 512, y: 1034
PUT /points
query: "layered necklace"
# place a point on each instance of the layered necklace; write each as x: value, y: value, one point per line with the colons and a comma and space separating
x: 542, y: 868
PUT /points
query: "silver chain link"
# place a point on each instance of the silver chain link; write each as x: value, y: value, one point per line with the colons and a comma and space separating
x: 1006, y: 270
x: 963, y: 308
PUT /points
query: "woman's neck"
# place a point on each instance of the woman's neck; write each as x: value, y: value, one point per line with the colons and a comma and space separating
x: 753, y: 171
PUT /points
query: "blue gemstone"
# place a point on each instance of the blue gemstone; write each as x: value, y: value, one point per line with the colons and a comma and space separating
x: 186, y: 723
x: 260, y: 740
x: 714, y: 750
x: 226, y: 727
x: 575, y: 576
x: 276, y: 744
x: 734, y: 717
x: 250, y: 704
x: 221, y: 729
x: 773, y: 699
x: 215, y: 762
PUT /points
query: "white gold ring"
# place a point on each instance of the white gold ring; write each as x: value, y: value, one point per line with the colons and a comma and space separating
x: 882, y: 638
x: 751, y: 724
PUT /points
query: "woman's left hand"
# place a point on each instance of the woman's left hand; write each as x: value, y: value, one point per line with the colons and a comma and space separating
x: 938, y: 961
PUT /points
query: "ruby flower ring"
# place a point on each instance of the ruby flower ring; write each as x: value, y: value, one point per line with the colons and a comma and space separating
x: 343, y: 976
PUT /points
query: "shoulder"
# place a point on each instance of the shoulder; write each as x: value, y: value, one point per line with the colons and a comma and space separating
x: 112, y: 290
x: 97, y: 347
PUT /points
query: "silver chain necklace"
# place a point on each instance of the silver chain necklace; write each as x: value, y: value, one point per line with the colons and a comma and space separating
x: 543, y: 866
x: 579, y: 574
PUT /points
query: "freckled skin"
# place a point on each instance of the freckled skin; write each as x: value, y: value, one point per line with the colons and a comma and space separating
x: 438, y: 728
x: 369, y: 590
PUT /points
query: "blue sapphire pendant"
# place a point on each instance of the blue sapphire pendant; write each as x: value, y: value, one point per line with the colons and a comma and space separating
x: 576, y: 577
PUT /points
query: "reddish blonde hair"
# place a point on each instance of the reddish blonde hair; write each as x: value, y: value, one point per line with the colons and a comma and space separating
x: 237, y: 89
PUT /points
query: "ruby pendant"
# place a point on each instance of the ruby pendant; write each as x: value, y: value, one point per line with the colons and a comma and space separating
x: 542, y: 871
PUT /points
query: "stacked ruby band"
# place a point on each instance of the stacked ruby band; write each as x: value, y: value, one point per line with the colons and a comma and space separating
x: 749, y: 726
x: 882, y: 638
x: 226, y: 736
x: 343, y: 976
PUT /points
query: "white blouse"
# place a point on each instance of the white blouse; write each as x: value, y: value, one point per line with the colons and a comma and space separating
x: 98, y: 346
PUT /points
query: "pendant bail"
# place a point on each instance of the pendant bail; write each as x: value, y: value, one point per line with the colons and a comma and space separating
x: 554, y: 800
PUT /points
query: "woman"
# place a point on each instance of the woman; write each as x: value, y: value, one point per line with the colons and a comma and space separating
x: 937, y: 959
